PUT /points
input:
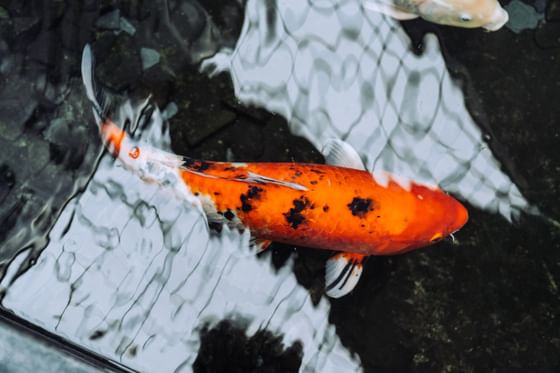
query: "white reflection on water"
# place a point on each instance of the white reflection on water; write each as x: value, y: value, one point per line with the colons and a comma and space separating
x: 334, y: 69
x: 132, y: 273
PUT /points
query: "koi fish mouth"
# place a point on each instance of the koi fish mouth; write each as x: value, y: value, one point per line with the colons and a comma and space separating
x: 113, y: 137
x: 501, y: 17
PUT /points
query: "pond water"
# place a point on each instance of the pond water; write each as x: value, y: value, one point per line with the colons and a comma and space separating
x: 130, y: 272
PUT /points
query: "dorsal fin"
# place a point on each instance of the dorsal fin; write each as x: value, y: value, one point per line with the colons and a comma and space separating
x: 249, y: 177
x: 260, y: 179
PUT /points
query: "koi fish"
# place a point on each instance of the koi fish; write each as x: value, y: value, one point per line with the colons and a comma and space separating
x: 487, y: 14
x: 336, y: 206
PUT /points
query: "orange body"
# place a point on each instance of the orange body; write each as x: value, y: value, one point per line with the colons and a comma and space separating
x: 311, y: 205
x: 340, y: 209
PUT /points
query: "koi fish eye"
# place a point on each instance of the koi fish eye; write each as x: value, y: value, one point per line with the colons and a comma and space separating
x: 134, y: 153
x: 465, y: 18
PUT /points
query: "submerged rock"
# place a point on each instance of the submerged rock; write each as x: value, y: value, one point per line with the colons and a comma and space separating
x: 24, y: 24
x: 126, y: 26
x: 553, y: 10
x: 150, y: 57
x: 109, y: 21
x: 522, y: 16
x: 7, y: 181
x: 547, y: 35
x: 15, y: 112
x: 118, y: 62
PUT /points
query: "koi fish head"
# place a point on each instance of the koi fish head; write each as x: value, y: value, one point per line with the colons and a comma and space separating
x: 150, y: 165
x: 487, y: 14
x: 437, y: 216
x: 121, y: 146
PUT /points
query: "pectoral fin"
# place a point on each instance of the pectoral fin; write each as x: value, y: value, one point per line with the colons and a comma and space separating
x: 342, y: 154
x: 101, y: 103
x: 342, y: 273
x: 389, y: 9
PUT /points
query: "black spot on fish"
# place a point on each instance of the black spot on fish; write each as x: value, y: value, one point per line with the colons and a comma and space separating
x: 188, y: 162
x: 252, y: 193
x: 196, y: 194
x: 314, y: 170
x: 296, y: 174
x: 313, y: 182
x: 360, y: 206
x: 229, y: 215
x: 203, y: 166
x: 294, y: 217
x: 326, y: 208
x: 245, y: 206
x: 195, y: 164
x: 216, y: 193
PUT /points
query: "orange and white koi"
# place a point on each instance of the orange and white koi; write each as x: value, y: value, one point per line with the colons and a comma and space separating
x: 337, y: 206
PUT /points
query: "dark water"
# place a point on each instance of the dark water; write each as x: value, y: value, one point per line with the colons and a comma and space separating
x: 490, y: 301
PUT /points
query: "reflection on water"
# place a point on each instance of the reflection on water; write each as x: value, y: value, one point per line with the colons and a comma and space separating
x: 335, y: 69
x: 132, y: 272
x: 46, y: 155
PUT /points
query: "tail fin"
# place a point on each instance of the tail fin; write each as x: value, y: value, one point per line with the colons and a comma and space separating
x: 97, y: 97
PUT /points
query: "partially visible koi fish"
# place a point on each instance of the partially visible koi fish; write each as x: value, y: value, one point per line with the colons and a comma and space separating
x: 487, y: 14
x: 337, y: 206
